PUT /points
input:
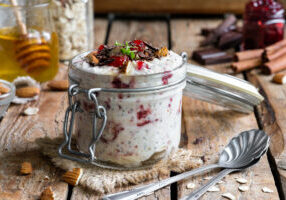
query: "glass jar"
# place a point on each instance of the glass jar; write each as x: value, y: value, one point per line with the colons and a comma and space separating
x: 263, y: 23
x: 74, y: 25
x: 28, y: 43
x: 131, y: 121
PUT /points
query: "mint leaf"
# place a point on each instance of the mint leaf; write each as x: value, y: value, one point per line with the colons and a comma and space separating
x: 117, y: 44
x: 132, y: 55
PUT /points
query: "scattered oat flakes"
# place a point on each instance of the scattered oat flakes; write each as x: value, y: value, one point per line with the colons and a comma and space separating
x: 31, y: 111
x: 241, y: 180
x: 191, y: 185
x: 213, y: 189
x: 266, y: 190
x: 228, y: 196
x: 243, y: 188
x: 208, y: 178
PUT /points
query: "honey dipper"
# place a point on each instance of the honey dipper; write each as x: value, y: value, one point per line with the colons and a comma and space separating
x: 31, y: 53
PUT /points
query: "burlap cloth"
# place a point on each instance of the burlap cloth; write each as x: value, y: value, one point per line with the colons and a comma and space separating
x: 105, y: 180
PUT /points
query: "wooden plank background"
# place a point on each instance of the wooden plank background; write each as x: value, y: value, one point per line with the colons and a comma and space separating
x: 170, y: 6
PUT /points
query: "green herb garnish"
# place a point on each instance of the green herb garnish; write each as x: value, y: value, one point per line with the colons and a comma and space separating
x: 118, y: 44
x: 126, y: 50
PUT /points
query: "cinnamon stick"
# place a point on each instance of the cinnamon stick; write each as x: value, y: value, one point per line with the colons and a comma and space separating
x: 274, y: 54
x: 275, y: 47
x: 249, y: 54
x: 275, y: 65
x: 246, y: 64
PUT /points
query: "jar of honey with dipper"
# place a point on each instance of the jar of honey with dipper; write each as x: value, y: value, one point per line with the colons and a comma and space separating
x: 28, y: 43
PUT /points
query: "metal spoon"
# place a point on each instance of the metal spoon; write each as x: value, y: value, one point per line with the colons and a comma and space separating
x: 258, y: 144
x: 242, y: 150
x: 200, y: 191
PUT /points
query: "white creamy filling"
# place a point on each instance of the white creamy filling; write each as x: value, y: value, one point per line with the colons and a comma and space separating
x: 163, y: 64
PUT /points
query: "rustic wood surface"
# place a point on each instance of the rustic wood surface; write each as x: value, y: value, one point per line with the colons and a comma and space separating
x: 272, y: 116
x: 170, y: 6
x: 213, y: 124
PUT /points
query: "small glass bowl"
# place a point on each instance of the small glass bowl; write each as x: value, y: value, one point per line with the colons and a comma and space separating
x: 5, y: 99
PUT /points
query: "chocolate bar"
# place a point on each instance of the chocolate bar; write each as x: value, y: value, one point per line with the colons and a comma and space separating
x: 222, y: 28
x: 230, y: 40
x: 211, y: 56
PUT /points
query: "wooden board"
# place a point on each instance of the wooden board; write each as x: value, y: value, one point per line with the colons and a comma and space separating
x: 272, y: 116
x: 18, y: 133
x: 214, y: 126
x: 17, y: 136
x: 170, y: 6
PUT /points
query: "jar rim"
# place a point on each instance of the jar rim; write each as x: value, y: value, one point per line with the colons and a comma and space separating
x: 33, y: 4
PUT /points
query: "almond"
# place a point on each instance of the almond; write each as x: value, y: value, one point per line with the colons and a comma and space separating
x: 279, y: 78
x: 47, y: 194
x: 72, y: 177
x: 162, y: 52
x: 91, y: 58
x: 27, y: 92
x: 59, y: 85
x: 26, y: 168
x: 3, y: 90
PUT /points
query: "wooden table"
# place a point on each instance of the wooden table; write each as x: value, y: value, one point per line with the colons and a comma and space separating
x: 213, y: 124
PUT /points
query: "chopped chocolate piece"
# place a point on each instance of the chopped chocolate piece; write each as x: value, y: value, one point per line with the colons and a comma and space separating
x: 222, y: 28
x: 150, y: 46
x: 211, y: 56
x: 230, y: 40
x: 206, y: 31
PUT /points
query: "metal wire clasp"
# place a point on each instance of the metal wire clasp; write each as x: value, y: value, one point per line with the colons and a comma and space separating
x: 99, y: 113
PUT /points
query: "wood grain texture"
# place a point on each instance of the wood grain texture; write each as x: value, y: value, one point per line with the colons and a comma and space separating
x: 209, y: 127
x: 272, y: 113
x: 170, y: 6
x: 18, y: 133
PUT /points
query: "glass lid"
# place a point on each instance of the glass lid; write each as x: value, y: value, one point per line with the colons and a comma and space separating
x: 221, y: 89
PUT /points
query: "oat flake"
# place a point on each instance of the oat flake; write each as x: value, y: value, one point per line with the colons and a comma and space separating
x: 228, y: 196
x: 213, y: 189
x: 31, y: 111
x: 266, y: 190
x: 243, y: 188
x: 241, y: 180
x: 191, y: 185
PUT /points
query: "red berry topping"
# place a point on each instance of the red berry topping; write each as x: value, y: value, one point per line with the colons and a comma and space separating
x: 101, y: 47
x: 139, y: 44
x: 119, y: 61
x: 141, y: 65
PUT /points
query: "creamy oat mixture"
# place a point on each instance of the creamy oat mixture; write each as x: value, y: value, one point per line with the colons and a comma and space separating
x: 168, y: 63
x: 141, y: 127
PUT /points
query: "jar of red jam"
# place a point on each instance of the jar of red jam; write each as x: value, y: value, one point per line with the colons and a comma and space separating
x: 263, y: 23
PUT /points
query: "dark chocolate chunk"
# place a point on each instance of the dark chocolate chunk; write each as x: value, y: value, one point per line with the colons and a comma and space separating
x: 230, y: 40
x: 222, y: 28
x: 206, y: 31
x: 211, y: 56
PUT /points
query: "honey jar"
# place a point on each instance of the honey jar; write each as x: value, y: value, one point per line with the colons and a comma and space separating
x: 28, y: 43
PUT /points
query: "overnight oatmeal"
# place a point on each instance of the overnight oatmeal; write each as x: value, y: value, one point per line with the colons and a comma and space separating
x: 142, y: 126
